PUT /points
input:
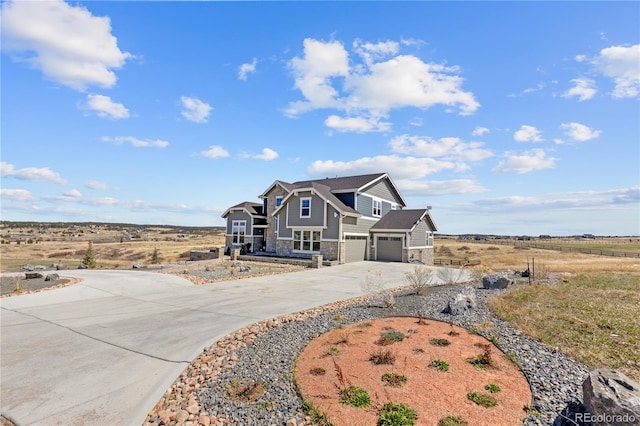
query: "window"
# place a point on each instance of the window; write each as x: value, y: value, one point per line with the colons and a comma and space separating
x: 238, y: 230
x: 306, y: 240
x: 377, y: 208
x: 276, y: 224
x: 429, y: 239
x: 278, y: 201
x: 305, y: 207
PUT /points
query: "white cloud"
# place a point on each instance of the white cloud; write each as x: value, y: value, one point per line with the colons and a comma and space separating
x: 584, y: 89
x: 68, y: 44
x: 73, y: 193
x: 106, y: 108
x: 215, y: 151
x: 357, y: 124
x: 195, y: 110
x: 529, y: 161
x: 480, y: 131
x: 435, y: 187
x: 266, y: 155
x: 31, y: 173
x: 579, y: 132
x: 396, y: 166
x: 622, y: 64
x: 528, y: 134
x: 450, y: 148
x: 383, y: 81
x: 94, y: 184
x: 313, y: 74
x: 16, y: 194
x: 246, y: 69
x: 135, y: 142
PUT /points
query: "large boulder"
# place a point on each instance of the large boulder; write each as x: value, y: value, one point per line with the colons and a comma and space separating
x: 611, y: 398
x: 52, y: 277
x: 461, y: 302
x: 495, y: 282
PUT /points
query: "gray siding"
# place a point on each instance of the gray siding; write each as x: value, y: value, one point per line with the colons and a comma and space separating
x: 332, y: 232
x: 382, y: 189
x: 386, y: 208
x: 419, y: 235
x: 317, y: 211
x: 356, y: 225
x: 240, y: 216
x: 365, y: 205
x: 283, y: 231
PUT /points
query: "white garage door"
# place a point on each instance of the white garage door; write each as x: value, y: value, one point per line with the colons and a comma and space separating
x: 355, y: 247
x: 389, y: 249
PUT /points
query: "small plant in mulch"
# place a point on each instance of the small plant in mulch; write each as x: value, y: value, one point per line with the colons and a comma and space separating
x: 397, y: 415
x: 381, y: 357
x: 482, y: 399
x: 440, y: 364
x: 317, y: 371
x: 354, y: 396
x: 493, y: 388
x: 245, y: 391
x: 453, y: 331
x: 483, y: 360
x: 394, y: 379
x: 452, y: 421
x: 365, y: 325
x: 343, y: 338
x: 332, y: 351
x: 389, y: 337
x: 439, y: 342
x: 530, y: 411
x: 418, y: 350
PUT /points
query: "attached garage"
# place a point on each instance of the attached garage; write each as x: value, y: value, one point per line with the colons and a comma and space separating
x: 389, y: 249
x: 355, y: 248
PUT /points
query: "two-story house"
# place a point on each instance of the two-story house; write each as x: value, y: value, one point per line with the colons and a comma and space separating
x: 345, y: 219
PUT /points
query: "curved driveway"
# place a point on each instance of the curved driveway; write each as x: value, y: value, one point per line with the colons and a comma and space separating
x: 103, y: 352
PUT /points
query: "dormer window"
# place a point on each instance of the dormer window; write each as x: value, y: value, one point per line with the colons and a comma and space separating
x: 305, y: 207
x: 376, y: 208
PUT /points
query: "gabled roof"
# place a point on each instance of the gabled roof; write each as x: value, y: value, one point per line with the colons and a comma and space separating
x: 403, y: 220
x: 283, y: 184
x: 323, y: 192
x: 254, y: 209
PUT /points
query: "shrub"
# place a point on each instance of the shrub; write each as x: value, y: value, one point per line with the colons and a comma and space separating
x: 355, y: 396
x: 452, y: 421
x: 318, y: 371
x: 482, y: 400
x: 397, y: 415
x: 440, y: 364
x: 381, y: 357
x: 493, y: 388
x: 439, y: 342
x: 375, y: 284
x: 419, y: 279
x: 388, y: 337
x: 89, y: 258
x: 483, y: 360
x: 394, y: 379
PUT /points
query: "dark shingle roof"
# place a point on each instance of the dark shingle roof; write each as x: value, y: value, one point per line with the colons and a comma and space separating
x: 342, y: 183
x: 402, y: 220
x: 253, y: 208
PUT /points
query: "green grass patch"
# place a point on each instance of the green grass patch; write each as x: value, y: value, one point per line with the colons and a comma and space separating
x: 397, y: 415
x: 439, y: 342
x: 354, y: 396
x: 452, y: 421
x: 591, y: 317
x: 394, y: 379
x: 493, y: 388
x: 483, y: 400
x: 440, y: 364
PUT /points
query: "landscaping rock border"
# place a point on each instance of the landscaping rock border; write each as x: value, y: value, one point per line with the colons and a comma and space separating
x: 266, y: 352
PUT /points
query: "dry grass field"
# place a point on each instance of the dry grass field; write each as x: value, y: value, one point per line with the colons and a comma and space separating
x: 114, y: 246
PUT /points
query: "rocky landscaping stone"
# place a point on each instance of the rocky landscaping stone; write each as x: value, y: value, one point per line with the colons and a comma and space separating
x: 611, y: 398
x: 495, y: 282
x: 461, y: 302
x: 52, y: 277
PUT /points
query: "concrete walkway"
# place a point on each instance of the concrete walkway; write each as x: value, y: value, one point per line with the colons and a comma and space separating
x: 103, y: 352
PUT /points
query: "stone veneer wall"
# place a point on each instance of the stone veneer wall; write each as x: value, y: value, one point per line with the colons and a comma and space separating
x: 328, y: 250
x: 424, y: 255
x: 270, y: 232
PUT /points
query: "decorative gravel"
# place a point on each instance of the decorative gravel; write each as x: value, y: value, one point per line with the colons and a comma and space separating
x: 555, y: 379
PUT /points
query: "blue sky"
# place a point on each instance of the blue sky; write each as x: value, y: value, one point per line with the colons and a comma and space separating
x: 505, y: 117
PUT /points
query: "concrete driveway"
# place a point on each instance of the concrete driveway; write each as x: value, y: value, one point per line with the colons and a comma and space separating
x: 102, y: 352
